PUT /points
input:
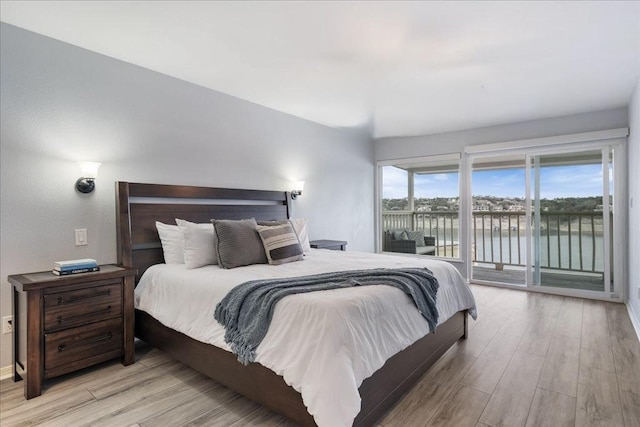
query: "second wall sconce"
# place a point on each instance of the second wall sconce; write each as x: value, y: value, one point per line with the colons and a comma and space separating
x: 86, y: 183
x: 297, y: 189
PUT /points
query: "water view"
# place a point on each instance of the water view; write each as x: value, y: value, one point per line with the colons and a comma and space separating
x: 567, y: 240
x: 567, y: 193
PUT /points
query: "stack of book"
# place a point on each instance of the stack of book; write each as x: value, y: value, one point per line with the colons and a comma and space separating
x: 75, y: 266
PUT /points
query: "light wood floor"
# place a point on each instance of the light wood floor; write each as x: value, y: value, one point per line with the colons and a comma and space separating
x: 531, y: 360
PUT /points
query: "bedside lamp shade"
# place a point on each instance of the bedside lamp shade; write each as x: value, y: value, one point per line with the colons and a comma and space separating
x: 89, y: 171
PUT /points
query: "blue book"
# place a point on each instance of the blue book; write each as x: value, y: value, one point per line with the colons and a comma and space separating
x: 74, y: 262
x: 76, y: 266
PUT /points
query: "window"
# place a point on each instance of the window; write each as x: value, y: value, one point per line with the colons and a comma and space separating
x: 421, y: 197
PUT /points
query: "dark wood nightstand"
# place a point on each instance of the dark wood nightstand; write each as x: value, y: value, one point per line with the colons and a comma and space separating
x: 66, y: 323
x: 335, y: 245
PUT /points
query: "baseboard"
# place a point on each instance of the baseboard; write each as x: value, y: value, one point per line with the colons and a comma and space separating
x: 6, y: 372
x: 635, y: 319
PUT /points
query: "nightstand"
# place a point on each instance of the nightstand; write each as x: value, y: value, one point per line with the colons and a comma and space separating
x: 66, y: 323
x: 335, y: 245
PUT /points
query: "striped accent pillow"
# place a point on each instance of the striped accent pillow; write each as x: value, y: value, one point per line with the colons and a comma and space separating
x: 280, y: 243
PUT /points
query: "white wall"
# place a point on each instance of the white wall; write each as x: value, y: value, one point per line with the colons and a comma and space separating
x: 451, y: 142
x: 61, y: 104
x: 633, y: 274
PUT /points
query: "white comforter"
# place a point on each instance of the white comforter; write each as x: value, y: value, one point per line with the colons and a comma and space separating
x: 324, y: 344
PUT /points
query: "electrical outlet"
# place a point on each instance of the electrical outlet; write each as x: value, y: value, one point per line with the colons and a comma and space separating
x: 7, y: 324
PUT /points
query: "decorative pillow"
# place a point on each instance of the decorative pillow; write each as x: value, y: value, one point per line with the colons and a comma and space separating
x: 199, y: 244
x: 281, y: 244
x: 301, y: 227
x: 172, y: 244
x: 398, y: 235
x: 418, y: 236
x: 238, y: 243
x: 272, y: 223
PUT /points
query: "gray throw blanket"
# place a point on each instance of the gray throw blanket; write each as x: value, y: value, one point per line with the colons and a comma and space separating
x: 246, y: 311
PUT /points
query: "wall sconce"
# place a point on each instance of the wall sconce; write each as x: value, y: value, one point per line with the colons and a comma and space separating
x: 297, y: 189
x: 86, y: 183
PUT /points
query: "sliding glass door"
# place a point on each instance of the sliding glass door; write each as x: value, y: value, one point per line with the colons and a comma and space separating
x: 499, y: 221
x: 543, y: 219
x: 570, y: 217
x: 547, y: 214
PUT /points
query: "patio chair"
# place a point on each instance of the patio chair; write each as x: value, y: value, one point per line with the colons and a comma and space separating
x: 409, y: 242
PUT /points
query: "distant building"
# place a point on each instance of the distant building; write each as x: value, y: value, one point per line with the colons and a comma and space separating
x: 483, y: 208
x: 482, y: 205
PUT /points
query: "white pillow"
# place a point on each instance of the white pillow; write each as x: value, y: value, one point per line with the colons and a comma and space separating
x: 300, y: 226
x: 172, y: 243
x: 199, y: 244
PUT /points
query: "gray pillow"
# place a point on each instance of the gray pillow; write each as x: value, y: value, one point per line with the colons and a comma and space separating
x: 418, y: 236
x: 238, y: 243
x: 397, y: 235
x: 273, y: 223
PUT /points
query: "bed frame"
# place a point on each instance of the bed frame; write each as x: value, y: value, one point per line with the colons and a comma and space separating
x: 140, y: 205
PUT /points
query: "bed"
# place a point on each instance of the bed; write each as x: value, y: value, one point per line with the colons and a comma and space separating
x: 139, y: 206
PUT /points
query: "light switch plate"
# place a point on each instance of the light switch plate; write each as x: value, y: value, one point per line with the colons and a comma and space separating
x: 81, y: 237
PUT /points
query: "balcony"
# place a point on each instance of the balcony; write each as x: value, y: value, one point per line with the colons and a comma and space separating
x: 571, y: 244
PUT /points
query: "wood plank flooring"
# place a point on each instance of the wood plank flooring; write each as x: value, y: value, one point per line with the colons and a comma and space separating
x: 530, y: 360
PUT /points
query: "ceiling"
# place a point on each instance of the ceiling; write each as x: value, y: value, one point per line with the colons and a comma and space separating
x: 395, y: 68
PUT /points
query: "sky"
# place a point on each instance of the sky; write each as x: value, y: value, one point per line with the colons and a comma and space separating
x: 555, y: 182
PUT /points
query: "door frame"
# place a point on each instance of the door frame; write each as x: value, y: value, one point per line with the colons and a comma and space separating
x: 615, y: 137
x: 606, y: 141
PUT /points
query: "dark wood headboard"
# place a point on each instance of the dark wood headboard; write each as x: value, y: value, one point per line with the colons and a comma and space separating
x: 139, y: 206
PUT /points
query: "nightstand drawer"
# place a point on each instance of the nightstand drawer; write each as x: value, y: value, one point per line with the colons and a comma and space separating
x: 81, y: 306
x: 75, y: 348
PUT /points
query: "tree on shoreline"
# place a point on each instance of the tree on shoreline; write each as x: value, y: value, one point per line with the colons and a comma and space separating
x: 562, y: 204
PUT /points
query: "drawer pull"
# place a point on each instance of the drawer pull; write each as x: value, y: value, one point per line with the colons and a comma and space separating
x: 64, y: 347
x: 61, y: 320
x: 94, y: 295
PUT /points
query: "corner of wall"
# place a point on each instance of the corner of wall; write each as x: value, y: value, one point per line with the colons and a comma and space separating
x: 633, y: 218
x: 635, y: 319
